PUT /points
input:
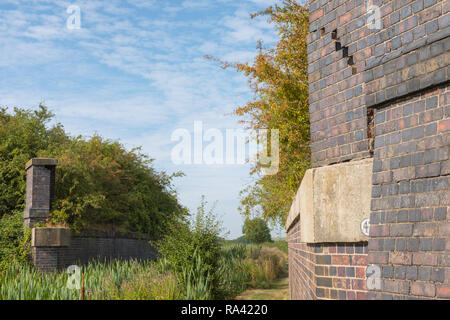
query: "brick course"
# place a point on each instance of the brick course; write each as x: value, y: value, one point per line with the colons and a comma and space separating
x: 94, y: 245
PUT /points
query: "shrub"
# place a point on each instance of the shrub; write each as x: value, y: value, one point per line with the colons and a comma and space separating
x: 192, y: 249
x: 14, y: 240
x: 99, y: 182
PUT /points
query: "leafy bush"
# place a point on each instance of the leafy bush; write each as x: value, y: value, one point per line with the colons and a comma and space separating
x: 100, y: 184
x: 14, y: 240
x: 192, y: 248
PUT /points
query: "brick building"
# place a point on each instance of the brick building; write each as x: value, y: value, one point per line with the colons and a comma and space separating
x: 380, y: 138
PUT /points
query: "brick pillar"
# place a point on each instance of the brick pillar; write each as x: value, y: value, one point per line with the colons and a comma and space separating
x: 40, y: 190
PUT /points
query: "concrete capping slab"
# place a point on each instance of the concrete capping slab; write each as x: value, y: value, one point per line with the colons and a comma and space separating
x: 41, y: 162
x: 50, y: 237
x: 332, y: 201
x: 36, y: 213
x: 109, y: 234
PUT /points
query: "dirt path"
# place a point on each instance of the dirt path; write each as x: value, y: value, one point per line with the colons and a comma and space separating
x: 279, y: 291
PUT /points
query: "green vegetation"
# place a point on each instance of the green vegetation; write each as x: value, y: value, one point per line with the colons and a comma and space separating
x: 256, y: 230
x: 14, y: 241
x: 127, y: 280
x: 100, y: 183
x: 212, y: 269
x: 192, y: 248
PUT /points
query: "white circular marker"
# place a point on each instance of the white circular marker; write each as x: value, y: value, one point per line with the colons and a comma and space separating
x: 365, y: 227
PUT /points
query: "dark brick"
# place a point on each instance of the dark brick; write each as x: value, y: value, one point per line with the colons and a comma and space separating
x: 323, y: 259
x: 424, y: 273
x: 411, y: 273
x: 324, y: 282
x: 426, y: 244
x: 438, y: 274
x: 439, y: 244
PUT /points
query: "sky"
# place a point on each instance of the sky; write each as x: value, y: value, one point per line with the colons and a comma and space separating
x: 135, y: 71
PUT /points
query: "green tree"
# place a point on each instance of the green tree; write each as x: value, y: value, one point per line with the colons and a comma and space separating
x: 99, y: 183
x: 256, y: 230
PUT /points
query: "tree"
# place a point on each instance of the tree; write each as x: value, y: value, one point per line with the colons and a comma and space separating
x: 256, y: 230
x: 99, y: 184
x: 279, y: 80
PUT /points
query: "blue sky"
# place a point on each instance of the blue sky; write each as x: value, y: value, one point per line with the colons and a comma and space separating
x: 136, y: 71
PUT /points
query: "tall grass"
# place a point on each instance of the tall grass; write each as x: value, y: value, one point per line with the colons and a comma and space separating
x: 101, y: 281
x: 265, y: 265
x: 240, y: 267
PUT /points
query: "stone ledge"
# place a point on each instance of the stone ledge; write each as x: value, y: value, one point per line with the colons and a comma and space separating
x: 36, y: 213
x: 109, y: 234
x: 41, y: 162
x: 332, y: 202
x: 50, y: 237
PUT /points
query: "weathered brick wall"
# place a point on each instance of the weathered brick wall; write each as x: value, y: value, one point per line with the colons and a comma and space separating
x: 410, y: 208
x: 383, y: 94
x: 407, y: 82
x: 301, y: 266
x: 410, y: 52
x: 337, y: 52
x: 94, y: 245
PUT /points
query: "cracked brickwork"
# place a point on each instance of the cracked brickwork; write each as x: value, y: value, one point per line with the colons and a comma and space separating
x: 410, y: 219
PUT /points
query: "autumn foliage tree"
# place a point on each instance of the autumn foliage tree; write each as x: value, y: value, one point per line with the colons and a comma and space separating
x: 279, y: 80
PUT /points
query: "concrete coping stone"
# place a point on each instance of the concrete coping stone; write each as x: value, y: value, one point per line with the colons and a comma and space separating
x: 42, y: 162
x: 92, y: 233
x: 332, y: 202
x: 50, y: 237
